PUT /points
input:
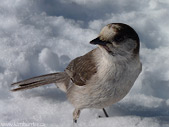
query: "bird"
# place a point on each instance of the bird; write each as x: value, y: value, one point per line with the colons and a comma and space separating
x: 101, y: 77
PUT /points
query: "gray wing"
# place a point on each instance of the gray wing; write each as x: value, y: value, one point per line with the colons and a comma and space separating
x: 82, y: 68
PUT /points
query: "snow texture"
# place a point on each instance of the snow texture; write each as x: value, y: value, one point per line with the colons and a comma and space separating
x: 39, y: 37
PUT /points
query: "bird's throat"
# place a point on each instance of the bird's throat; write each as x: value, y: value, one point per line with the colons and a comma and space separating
x: 108, y: 50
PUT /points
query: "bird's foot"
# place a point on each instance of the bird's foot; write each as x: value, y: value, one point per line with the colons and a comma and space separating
x: 105, y: 113
x: 76, y: 115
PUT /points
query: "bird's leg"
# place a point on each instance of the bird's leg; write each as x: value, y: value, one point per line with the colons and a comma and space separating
x: 105, y: 113
x: 76, y: 115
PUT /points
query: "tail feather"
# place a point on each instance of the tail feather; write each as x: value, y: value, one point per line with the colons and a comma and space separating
x: 40, y: 80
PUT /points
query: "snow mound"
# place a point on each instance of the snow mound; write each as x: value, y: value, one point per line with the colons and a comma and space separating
x: 40, y: 37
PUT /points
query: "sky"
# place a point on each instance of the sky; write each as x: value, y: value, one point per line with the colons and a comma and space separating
x: 40, y: 37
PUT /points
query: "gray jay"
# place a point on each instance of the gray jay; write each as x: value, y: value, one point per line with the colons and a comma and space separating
x: 101, y: 77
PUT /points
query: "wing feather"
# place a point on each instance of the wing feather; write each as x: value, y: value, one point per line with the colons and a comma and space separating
x: 82, y: 68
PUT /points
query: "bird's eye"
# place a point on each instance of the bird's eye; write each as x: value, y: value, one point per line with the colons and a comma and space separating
x: 119, y: 38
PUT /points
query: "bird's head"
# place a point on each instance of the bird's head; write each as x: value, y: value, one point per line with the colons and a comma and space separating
x: 118, y: 39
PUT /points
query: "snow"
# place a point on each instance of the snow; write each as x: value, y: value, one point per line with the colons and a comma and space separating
x: 40, y: 37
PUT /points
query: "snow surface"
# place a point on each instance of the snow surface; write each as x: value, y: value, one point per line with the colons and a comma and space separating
x: 39, y: 37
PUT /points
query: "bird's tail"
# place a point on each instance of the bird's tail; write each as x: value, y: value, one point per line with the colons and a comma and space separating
x: 60, y: 78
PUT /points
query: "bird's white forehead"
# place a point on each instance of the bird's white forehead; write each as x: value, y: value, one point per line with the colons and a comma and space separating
x: 108, y: 32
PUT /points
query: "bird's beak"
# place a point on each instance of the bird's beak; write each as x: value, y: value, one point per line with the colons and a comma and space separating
x: 102, y: 43
x: 98, y: 41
